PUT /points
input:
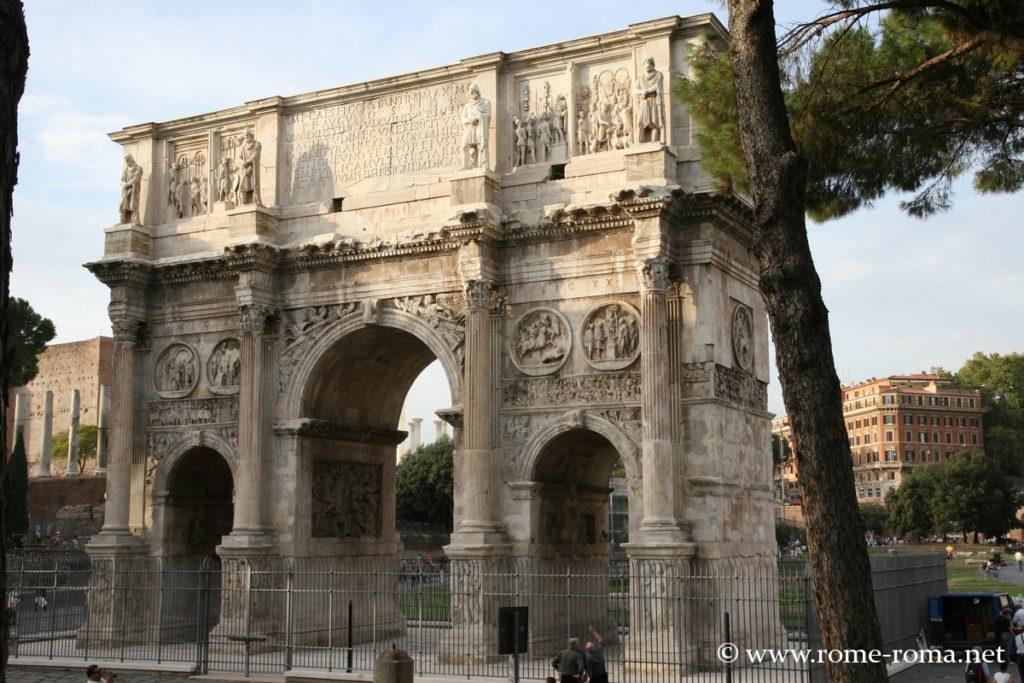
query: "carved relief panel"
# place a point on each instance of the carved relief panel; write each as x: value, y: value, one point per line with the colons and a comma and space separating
x: 605, y: 112
x: 236, y: 168
x: 541, y: 120
x: 187, y: 186
x: 610, y: 335
x: 540, y: 342
x: 224, y: 367
x: 346, y: 499
x: 177, y: 371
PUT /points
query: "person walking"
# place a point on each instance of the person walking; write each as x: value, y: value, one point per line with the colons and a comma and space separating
x: 1019, y: 556
x: 597, y: 672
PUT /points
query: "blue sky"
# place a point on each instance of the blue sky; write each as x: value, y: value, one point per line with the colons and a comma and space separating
x: 904, y: 295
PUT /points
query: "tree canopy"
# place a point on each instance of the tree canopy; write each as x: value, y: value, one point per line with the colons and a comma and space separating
x: 88, y: 437
x: 968, y: 493
x: 1000, y: 378
x: 425, y: 484
x: 905, y: 100
x: 29, y: 334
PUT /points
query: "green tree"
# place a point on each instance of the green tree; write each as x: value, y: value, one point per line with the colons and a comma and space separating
x: 907, y: 103
x: 30, y: 333
x: 902, y: 111
x: 425, y: 484
x: 1000, y: 379
x: 16, y: 493
x: 974, y: 495
x: 88, y: 437
x: 910, y: 506
x: 781, y: 452
x: 13, y: 69
x: 874, y: 517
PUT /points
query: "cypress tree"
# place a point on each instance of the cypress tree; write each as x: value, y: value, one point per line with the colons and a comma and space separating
x: 16, y: 493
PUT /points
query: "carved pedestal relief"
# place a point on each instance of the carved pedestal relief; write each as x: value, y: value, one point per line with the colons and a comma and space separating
x: 604, y: 115
x: 610, y: 335
x: 541, y: 340
x: 346, y: 499
x: 187, y: 176
x: 224, y: 367
x: 540, y: 126
x: 743, y: 337
x: 176, y: 372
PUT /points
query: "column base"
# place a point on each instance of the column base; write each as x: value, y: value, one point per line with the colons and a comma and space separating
x: 242, y: 543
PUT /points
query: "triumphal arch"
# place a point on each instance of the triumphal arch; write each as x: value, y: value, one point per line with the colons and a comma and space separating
x: 536, y: 221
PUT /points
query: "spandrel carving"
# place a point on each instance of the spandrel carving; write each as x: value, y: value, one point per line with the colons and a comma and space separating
x: 611, y: 336
x: 176, y: 371
x: 346, y: 500
x: 444, y: 312
x: 541, y: 341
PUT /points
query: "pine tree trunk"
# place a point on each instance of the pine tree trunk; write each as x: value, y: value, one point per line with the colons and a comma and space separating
x: 839, y: 563
x: 13, y: 69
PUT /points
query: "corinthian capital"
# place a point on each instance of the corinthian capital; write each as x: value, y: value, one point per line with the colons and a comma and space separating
x: 480, y: 294
x: 128, y: 329
x: 653, y: 272
x: 255, y: 317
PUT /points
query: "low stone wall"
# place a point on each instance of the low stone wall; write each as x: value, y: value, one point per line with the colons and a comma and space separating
x: 72, y: 505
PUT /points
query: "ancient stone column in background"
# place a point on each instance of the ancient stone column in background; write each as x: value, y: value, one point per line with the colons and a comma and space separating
x: 46, y: 436
x: 72, y: 468
x: 103, y: 430
x: 415, y: 435
x: 440, y: 430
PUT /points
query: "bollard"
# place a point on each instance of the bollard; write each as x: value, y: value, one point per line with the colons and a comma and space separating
x: 393, y: 666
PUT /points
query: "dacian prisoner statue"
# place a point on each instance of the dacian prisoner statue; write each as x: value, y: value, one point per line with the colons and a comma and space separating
x: 476, y: 119
x: 650, y: 91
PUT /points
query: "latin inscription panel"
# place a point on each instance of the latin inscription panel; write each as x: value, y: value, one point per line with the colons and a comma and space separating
x: 402, y: 133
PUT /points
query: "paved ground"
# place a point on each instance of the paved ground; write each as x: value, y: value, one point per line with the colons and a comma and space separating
x: 926, y: 673
x: 16, y: 674
x: 1009, y: 574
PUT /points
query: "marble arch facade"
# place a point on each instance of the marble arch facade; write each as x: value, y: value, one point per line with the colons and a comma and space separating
x: 579, y: 275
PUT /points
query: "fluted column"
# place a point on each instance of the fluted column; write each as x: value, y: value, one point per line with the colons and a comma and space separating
x: 250, y: 531
x: 72, y: 468
x: 122, y: 439
x: 655, y: 400
x: 477, y: 415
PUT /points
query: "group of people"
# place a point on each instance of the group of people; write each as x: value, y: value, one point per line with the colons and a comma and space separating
x: 574, y: 664
x: 1009, y: 629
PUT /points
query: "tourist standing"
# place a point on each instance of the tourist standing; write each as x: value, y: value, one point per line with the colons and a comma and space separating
x: 570, y: 663
x: 596, y: 670
x: 1019, y: 556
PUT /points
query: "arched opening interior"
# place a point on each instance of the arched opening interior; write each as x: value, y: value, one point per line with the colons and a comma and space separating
x: 575, y: 469
x: 198, y: 507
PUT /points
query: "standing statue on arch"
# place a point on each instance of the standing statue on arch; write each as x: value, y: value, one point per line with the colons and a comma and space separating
x: 131, y: 185
x: 476, y: 119
x: 650, y: 114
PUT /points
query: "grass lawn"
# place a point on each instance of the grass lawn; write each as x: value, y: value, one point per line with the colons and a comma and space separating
x: 967, y: 578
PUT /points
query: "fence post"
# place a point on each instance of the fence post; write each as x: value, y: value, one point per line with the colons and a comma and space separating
x: 290, y: 616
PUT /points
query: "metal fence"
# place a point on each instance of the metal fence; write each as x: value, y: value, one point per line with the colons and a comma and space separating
x: 660, y: 620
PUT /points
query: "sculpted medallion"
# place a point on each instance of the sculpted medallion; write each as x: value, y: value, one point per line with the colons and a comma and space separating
x: 611, y: 336
x: 224, y: 367
x: 743, y: 337
x: 176, y: 372
x: 541, y: 340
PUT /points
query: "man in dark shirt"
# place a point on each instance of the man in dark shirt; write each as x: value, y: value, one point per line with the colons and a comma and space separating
x: 1004, y: 634
x: 595, y: 658
x: 570, y: 663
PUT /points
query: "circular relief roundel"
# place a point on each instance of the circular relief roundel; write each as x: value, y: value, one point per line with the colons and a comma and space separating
x: 177, y: 371
x: 541, y: 340
x: 611, y: 336
x: 224, y: 367
x: 743, y: 337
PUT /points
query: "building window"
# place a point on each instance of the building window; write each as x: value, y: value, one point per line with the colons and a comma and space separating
x: 935, y: 437
x: 892, y: 475
x: 963, y: 440
x: 849, y: 426
x: 970, y: 402
x: 888, y: 435
x: 910, y: 456
x: 910, y: 436
x: 959, y: 403
x: 949, y: 422
x: 922, y: 437
x: 960, y: 421
x: 920, y: 400
x: 888, y: 400
x: 949, y: 437
x: 890, y: 456
x: 874, y: 421
x: 935, y: 422
x: 974, y: 422
x: 908, y: 419
x: 858, y: 424
x: 889, y: 419
x: 945, y: 401
x: 858, y: 440
x: 974, y: 439
x: 922, y: 419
